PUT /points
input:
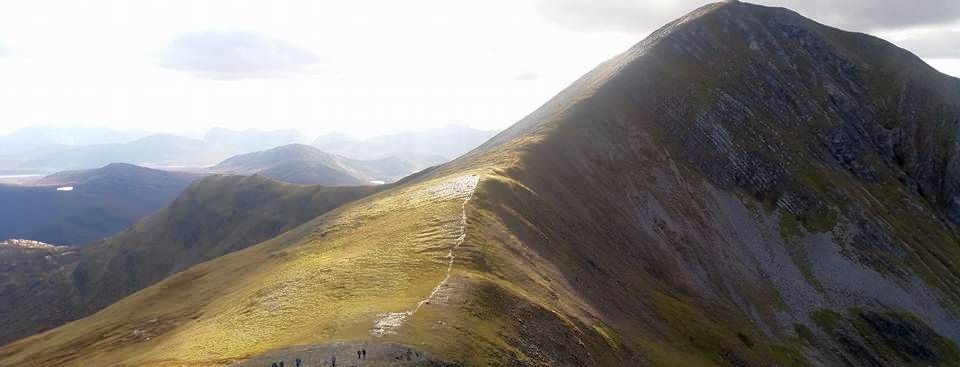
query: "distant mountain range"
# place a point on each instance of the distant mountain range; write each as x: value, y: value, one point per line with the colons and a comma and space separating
x: 303, y: 164
x: 36, y: 137
x: 448, y: 142
x: 48, y: 149
x: 150, y: 150
x: 80, y: 207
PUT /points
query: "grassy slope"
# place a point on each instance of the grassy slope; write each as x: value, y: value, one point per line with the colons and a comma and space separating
x: 591, y: 239
x: 215, y: 216
x: 317, y: 282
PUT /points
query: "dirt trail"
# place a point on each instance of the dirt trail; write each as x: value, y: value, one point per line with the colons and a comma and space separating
x: 388, y: 323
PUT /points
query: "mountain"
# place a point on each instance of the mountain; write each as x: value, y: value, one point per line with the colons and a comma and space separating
x: 448, y: 142
x: 150, y: 150
x: 251, y: 140
x: 306, y: 165
x: 36, y: 137
x: 100, y: 202
x: 395, y: 167
x: 46, y: 287
x: 744, y: 187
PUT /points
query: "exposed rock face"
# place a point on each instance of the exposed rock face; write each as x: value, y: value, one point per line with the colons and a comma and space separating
x: 751, y: 165
x: 28, y: 244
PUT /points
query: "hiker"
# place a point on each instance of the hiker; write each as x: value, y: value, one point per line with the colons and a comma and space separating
x: 281, y: 363
x: 333, y: 361
x: 299, y: 362
x: 364, y: 350
x: 358, y: 354
x: 274, y: 364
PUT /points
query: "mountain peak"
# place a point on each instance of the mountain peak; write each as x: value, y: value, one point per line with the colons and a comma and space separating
x: 745, y: 187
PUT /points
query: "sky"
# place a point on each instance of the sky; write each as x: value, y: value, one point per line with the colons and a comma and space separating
x: 361, y: 67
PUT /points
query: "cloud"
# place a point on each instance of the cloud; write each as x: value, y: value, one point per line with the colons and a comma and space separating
x: 934, y: 44
x: 526, y: 76
x: 231, y: 55
x: 646, y: 16
x: 623, y: 15
x: 5, y: 51
x: 869, y: 15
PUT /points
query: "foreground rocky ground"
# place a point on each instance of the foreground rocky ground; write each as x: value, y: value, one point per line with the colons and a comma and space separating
x: 378, y: 354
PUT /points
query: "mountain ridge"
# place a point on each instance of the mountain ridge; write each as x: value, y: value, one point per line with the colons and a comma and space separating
x: 100, y: 202
x: 746, y: 187
x: 308, y: 165
x: 214, y: 216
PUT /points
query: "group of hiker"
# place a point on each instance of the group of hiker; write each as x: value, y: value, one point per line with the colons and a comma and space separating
x: 298, y: 362
x: 361, y: 354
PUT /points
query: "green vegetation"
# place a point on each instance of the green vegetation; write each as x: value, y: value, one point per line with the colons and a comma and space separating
x: 895, y: 336
x: 790, y: 226
x: 214, y: 216
x: 828, y: 320
x: 805, y: 334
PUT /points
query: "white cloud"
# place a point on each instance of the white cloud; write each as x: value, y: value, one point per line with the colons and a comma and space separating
x: 526, y: 76
x: 946, y: 66
x: 233, y: 55
x: 873, y: 15
x: 622, y: 15
x: 941, y: 43
x: 410, y: 64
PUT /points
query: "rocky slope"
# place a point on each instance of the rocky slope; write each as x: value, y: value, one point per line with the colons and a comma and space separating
x: 101, y: 202
x: 745, y: 187
x: 45, y: 288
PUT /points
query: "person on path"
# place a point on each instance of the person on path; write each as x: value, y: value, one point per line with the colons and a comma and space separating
x: 364, y: 350
x: 299, y: 362
x: 333, y: 361
x: 358, y: 354
x: 281, y: 363
x: 274, y: 364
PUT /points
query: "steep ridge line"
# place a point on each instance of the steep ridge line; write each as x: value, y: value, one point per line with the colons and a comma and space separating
x: 389, y: 322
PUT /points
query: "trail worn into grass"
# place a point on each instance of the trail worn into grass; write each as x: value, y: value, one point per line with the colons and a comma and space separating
x: 389, y: 322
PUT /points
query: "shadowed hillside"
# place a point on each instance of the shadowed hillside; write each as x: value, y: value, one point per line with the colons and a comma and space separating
x: 745, y: 187
x: 101, y: 202
x: 215, y: 216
